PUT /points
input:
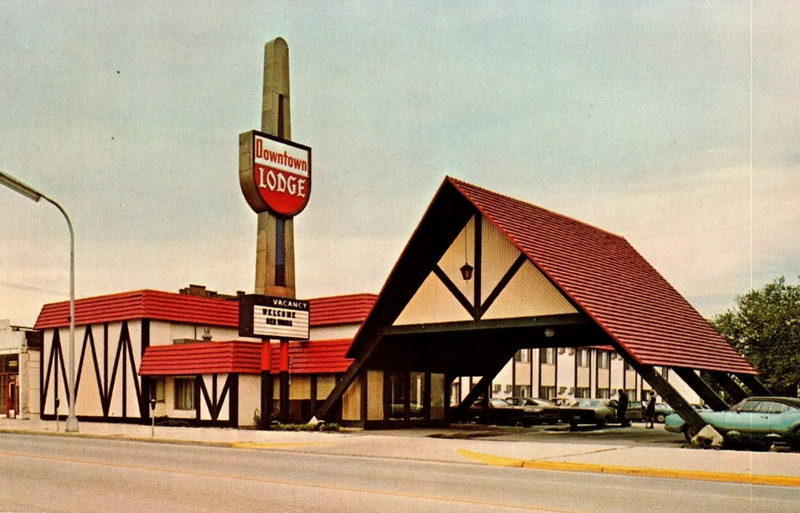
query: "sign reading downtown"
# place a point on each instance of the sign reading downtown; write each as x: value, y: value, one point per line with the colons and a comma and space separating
x: 274, y: 174
x: 273, y: 317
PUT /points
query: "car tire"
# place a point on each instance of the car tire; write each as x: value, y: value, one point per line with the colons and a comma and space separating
x: 660, y: 418
x: 795, y: 442
x: 688, y: 432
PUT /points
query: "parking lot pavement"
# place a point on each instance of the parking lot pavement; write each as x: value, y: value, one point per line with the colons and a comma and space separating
x: 633, y: 450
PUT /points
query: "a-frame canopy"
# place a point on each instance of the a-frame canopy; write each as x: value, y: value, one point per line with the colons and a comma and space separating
x: 540, y: 279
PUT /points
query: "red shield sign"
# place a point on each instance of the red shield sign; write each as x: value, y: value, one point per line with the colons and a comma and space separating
x: 274, y: 174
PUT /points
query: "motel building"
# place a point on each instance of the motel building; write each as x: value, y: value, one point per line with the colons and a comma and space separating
x: 492, y: 296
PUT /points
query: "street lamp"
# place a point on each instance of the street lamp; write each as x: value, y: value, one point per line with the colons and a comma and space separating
x: 31, y: 193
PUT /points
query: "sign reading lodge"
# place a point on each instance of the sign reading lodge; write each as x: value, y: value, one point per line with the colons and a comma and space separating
x: 273, y: 317
x: 274, y: 174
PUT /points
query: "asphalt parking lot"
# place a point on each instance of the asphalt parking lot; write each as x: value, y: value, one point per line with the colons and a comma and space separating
x: 634, y: 435
x: 559, y: 433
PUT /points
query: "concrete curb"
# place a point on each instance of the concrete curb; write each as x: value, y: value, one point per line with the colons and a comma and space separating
x: 696, y: 475
x: 128, y: 438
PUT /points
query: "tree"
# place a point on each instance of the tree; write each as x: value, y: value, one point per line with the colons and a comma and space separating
x: 765, y: 327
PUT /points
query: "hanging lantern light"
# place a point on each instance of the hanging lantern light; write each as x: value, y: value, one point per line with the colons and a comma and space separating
x: 466, y: 269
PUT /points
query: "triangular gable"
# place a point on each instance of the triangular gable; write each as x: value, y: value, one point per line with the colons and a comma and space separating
x: 526, y: 293
x: 611, y: 282
x: 598, y: 272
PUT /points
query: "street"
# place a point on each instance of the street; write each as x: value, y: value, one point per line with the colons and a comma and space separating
x: 44, y: 473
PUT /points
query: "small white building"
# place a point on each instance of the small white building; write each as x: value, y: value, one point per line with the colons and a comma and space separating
x: 20, y: 348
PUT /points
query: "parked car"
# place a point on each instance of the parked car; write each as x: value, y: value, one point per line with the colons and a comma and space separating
x: 589, y: 411
x: 542, y: 410
x: 635, y: 411
x: 753, y: 420
x: 662, y: 410
x: 502, y: 413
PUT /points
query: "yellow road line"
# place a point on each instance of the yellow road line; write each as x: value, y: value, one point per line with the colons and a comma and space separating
x: 288, y: 482
x: 697, y: 475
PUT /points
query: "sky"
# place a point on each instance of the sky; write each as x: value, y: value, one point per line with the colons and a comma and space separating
x: 673, y: 124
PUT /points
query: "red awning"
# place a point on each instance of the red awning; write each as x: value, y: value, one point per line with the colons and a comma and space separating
x: 311, y: 357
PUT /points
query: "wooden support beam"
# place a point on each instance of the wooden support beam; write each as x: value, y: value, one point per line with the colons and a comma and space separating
x: 706, y: 393
x: 754, y: 384
x: 500, y: 357
x: 671, y: 396
x: 724, y: 380
x: 479, y: 388
x: 347, y: 379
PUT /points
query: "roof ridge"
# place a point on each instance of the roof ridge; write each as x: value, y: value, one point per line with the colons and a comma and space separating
x: 459, y: 184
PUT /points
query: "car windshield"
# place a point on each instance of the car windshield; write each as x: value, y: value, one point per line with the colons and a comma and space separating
x: 590, y: 403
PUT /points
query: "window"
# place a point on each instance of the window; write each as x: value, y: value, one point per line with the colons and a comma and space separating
x: 603, y: 359
x: 184, y: 393
x: 582, y: 358
x: 547, y: 392
x: 417, y: 392
x: 158, y: 390
x: 398, y: 394
x: 496, y: 387
x: 603, y: 393
x: 751, y: 406
x: 508, y: 389
x: 521, y: 391
x: 523, y: 355
x: 547, y: 355
x: 779, y: 408
x: 582, y: 392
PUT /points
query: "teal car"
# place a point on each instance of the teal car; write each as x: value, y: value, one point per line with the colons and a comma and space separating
x: 754, y: 420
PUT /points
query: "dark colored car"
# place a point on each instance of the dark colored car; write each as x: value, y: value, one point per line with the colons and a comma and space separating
x: 541, y: 411
x: 501, y: 413
x: 589, y: 411
x: 635, y: 411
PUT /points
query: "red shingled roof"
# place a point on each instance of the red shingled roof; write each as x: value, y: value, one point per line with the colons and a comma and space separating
x: 312, y: 357
x: 350, y: 309
x: 610, y: 281
x: 167, y: 306
x: 202, y: 358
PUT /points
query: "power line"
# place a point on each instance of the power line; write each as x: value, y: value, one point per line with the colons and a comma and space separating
x: 33, y: 289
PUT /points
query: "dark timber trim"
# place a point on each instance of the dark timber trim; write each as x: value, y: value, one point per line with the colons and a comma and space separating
x: 753, y: 383
x: 510, y: 273
x: 706, y: 393
x: 724, y: 379
x: 492, y: 324
x: 478, y: 252
x: 455, y: 291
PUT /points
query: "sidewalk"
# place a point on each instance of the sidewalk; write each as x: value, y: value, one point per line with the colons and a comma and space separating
x: 626, y: 458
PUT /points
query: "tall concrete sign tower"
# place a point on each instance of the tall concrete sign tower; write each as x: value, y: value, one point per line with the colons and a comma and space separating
x: 275, y: 177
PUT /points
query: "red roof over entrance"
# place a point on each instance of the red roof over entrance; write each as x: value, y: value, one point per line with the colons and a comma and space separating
x: 612, y: 283
x: 311, y: 357
x: 202, y: 358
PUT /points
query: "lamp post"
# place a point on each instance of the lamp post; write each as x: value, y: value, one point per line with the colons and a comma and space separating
x: 9, y: 181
